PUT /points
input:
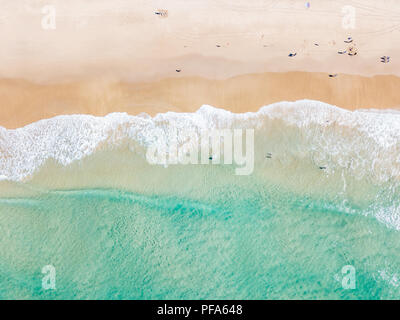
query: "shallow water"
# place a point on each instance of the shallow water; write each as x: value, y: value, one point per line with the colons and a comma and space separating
x: 77, y: 193
x: 271, y: 244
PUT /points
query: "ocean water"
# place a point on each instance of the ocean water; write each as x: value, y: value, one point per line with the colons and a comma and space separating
x: 77, y: 193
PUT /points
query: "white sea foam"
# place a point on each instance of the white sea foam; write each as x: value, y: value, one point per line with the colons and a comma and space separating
x: 363, y: 143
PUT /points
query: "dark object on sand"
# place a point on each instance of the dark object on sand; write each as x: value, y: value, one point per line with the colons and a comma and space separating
x: 178, y: 70
x: 162, y: 13
x: 342, y: 52
x: 316, y: 44
x: 269, y: 155
x: 352, y: 51
x: 349, y: 40
x: 322, y: 168
x: 333, y: 75
x: 385, y: 59
x: 292, y: 54
x: 218, y: 46
x: 209, y: 158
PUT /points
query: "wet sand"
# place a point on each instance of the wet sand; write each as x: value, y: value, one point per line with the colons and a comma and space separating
x: 26, y: 102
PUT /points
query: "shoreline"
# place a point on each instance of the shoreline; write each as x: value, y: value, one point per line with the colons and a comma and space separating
x: 25, y: 102
x: 69, y: 140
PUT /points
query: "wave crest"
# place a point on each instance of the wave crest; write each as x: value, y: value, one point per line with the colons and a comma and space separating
x: 362, y: 143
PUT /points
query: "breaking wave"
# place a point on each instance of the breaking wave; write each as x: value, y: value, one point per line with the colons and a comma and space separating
x: 365, y: 144
x: 351, y: 156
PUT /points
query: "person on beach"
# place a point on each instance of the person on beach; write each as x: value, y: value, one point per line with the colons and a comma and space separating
x: 385, y: 59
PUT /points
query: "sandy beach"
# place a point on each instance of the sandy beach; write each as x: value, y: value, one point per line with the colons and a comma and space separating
x: 123, y: 57
x: 28, y: 102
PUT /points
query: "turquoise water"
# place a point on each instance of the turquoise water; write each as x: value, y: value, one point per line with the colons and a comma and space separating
x: 324, y: 195
x: 238, y: 244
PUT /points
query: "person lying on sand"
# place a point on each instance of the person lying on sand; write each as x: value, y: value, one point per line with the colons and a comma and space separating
x: 162, y: 13
x: 292, y: 54
x: 385, y: 59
